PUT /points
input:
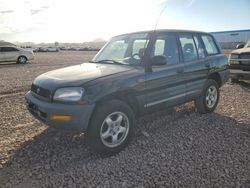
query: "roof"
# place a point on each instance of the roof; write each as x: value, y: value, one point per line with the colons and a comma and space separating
x: 164, y: 30
x: 232, y: 31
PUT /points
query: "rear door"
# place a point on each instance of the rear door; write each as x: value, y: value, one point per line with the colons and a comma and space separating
x: 165, y: 85
x: 10, y: 53
x: 196, y: 67
x: 2, y: 55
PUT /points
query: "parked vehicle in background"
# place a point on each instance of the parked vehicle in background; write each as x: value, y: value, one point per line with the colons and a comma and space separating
x: 239, y: 63
x: 52, y: 49
x: 62, y: 48
x: 30, y: 48
x: 72, y: 49
x: 42, y: 49
x: 48, y: 49
x: 19, y: 55
x: 131, y: 75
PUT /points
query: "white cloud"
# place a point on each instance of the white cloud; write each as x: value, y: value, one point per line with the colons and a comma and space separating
x: 80, y: 20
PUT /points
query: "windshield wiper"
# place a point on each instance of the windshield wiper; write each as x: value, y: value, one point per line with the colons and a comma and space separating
x: 108, y: 60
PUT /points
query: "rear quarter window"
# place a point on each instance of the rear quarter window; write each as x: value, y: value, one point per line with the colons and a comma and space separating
x: 209, y: 44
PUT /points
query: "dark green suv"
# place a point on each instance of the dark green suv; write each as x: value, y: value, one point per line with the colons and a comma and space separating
x: 131, y: 75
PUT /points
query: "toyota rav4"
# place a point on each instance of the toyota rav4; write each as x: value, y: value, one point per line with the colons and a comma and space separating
x: 131, y: 75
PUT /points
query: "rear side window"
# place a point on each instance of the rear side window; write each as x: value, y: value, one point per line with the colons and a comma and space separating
x: 188, y: 48
x: 8, y: 49
x: 210, y: 45
x: 199, y: 47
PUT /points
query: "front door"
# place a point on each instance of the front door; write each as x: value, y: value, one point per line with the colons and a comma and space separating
x: 165, y: 85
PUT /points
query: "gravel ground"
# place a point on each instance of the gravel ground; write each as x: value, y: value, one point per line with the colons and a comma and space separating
x: 172, y: 148
x: 16, y: 77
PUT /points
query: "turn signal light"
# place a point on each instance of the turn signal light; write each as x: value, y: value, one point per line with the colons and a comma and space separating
x: 58, y: 117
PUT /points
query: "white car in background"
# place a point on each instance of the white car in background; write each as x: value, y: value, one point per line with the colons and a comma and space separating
x: 12, y: 53
x: 52, y: 49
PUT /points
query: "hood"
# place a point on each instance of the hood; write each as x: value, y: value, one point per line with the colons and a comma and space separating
x: 77, y: 75
x: 242, y: 50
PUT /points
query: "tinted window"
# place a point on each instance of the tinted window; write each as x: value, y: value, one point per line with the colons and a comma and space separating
x: 199, y: 47
x: 166, y: 45
x: 8, y: 49
x: 139, y: 44
x: 188, y: 48
x: 209, y: 44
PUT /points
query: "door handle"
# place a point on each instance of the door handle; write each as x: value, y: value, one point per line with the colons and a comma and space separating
x: 140, y: 81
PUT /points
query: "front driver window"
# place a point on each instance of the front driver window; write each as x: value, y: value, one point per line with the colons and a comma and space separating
x: 139, y: 44
x: 166, y: 45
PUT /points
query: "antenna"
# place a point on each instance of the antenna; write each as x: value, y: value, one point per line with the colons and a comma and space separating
x: 160, y: 16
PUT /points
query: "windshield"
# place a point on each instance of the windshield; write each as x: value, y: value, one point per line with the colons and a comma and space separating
x: 125, y: 49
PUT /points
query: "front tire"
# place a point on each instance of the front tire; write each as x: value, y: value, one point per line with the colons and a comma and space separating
x: 209, y: 98
x: 22, y: 60
x: 111, y: 127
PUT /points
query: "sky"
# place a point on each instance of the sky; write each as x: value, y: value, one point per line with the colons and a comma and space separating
x: 81, y: 20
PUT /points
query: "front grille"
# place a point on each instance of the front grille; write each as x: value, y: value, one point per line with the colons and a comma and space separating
x: 36, y: 112
x: 245, y: 56
x: 45, y: 93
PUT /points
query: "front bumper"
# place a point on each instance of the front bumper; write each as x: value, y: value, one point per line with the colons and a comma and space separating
x: 224, y: 75
x: 239, y: 74
x: 42, y: 110
x: 30, y: 57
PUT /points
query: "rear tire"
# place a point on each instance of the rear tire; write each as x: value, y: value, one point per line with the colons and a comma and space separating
x: 209, y: 98
x: 111, y: 127
x: 22, y: 60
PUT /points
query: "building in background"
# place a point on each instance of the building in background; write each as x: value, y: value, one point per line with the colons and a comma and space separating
x: 229, y: 39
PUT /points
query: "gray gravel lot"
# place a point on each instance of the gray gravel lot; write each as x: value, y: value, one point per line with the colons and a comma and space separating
x: 172, y: 148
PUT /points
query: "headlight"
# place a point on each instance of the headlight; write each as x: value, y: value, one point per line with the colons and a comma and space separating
x: 234, y: 56
x: 234, y: 59
x: 71, y: 94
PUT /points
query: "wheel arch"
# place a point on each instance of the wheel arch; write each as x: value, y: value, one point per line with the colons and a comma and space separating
x: 127, y: 97
x: 22, y: 55
x: 216, y: 77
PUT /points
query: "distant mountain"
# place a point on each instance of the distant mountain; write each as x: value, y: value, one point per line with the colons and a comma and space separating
x: 98, y: 40
x: 4, y: 43
x: 95, y: 44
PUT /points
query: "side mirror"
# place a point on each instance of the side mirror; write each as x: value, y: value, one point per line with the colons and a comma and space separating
x: 159, y: 60
x: 238, y: 46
